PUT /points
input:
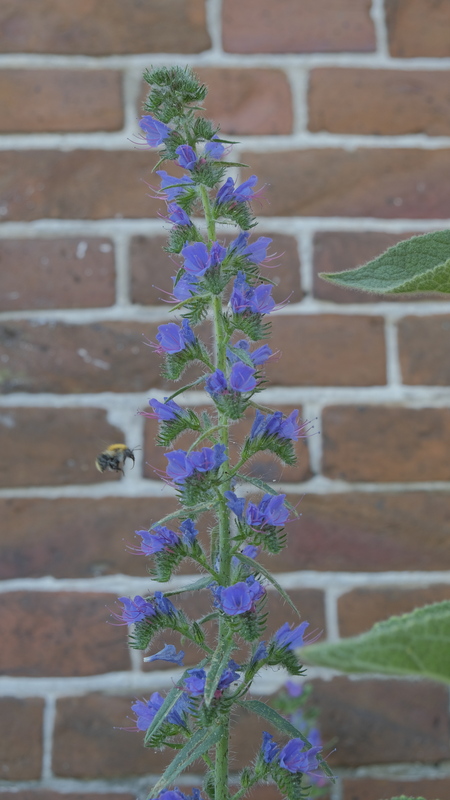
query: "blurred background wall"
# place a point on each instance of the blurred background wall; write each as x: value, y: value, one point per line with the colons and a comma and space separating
x: 342, y: 108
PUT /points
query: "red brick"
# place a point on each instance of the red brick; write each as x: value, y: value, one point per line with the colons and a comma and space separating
x: 96, y: 357
x: 56, y: 273
x: 360, y: 609
x: 365, y: 182
x: 370, y: 443
x: 290, y: 26
x: 339, y: 250
x: 93, y: 739
x: 75, y: 538
x: 374, y: 532
x: 263, y: 465
x: 423, y: 347
x: 48, y: 446
x: 328, y: 350
x: 21, y: 737
x: 65, y: 634
x: 60, y: 100
x: 79, y: 184
x: 383, y: 102
x: 152, y: 268
x: 99, y: 27
x: 373, y: 789
x: 248, y: 101
x: 382, y: 721
x: 409, y: 37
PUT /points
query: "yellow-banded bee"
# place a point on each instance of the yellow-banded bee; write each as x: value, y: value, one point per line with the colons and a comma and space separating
x: 113, y: 458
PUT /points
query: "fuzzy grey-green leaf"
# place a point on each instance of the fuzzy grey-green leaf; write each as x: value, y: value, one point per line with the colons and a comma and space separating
x: 419, y: 264
x: 413, y: 644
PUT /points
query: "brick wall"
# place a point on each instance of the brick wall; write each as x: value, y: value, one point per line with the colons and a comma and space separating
x: 342, y: 108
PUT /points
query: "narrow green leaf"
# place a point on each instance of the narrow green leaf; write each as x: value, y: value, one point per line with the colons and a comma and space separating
x: 202, y: 583
x: 419, y: 264
x: 413, y: 644
x: 265, y: 487
x: 198, y: 744
x: 281, y: 724
x: 185, y: 388
x: 161, y: 714
x: 218, y: 663
x: 195, y: 510
x: 249, y: 562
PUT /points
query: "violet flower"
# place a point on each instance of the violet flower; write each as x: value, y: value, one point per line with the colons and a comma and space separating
x: 186, y: 156
x: 155, y: 131
x: 185, y: 287
x: 178, y: 215
x: 173, y: 187
x: 238, y: 598
x: 294, y: 758
x: 242, y: 377
x: 168, y: 653
x: 135, y: 610
x: 157, y: 540
x: 173, y: 339
x: 167, y: 411
x: 290, y: 639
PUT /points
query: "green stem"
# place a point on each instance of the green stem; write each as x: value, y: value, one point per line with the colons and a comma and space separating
x: 240, y: 793
x: 204, y: 435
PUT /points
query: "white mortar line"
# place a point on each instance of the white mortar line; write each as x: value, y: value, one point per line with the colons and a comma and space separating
x: 123, y: 275
x: 298, y: 82
x: 214, y: 24
x: 393, y: 369
x: 331, y: 595
x: 306, y: 253
x: 47, y: 737
x: 377, y: 12
x: 314, y: 440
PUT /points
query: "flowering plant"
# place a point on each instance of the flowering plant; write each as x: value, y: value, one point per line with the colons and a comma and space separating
x: 219, y: 280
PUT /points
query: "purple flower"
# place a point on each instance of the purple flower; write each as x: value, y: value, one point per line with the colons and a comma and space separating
x: 167, y: 411
x: 135, y: 610
x: 258, y: 428
x: 195, y: 682
x: 185, y: 288
x: 146, y: 710
x: 257, y: 251
x: 168, y: 653
x: 216, y: 383
x: 178, y: 215
x: 208, y: 458
x: 255, y: 588
x: 261, y: 354
x: 239, y: 598
x: 228, y: 193
x: 261, y: 301
x: 242, y: 377
x: 260, y: 654
x: 189, y: 532
x: 186, y: 156
x: 229, y: 675
x: 269, y: 511
x: 175, y: 794
x: 250, y: 551
x: 293, y: 689
x: 269, y: 748
x: 275, y: 425
x: 155, y: 131
x: 179, y: 467
x: 239, y: 299
x: 158, y: 539
x: 214, y: 149
x: 173, y: 187
x: 225, y: 193
x: 295, y: 759
x: 290, y: 639
x: 173, y: 339
x: 235, y: 504
x: 164, y: 605
x: 244, y: 297
x: 196, y: 258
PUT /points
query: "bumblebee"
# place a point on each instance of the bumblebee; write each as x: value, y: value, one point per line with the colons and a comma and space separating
x: 113, y: 458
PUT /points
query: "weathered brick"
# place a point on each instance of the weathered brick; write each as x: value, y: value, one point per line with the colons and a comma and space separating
x: 327, y: 350
x: 152, y: 269
x: 79, y: 184
x: 65, y: 634
x: 364, y: 182
x: 373, y: 789
x: 373, y: 532
x: 75, y: 538
x: 263, y: 465
x: 48, y: 446
x: 56, y: 273
x: 290, y: 26
x: 382, y: 721
x: 21, y: 737
x: 339, y: 250
x: 97, y: 357
x: 409, y: 37
x: 359, y: 609
x: 370, y: 443
x: 93, y: 739
x: 423, y: 347
x: 60, y: 100
x: 383, y: 102
x: 248, y: 101
x: 99, y: 27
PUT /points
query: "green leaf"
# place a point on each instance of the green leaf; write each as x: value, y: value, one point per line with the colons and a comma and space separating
x: 249, y: 562
x: 265, y: 487
x: 218, y: 663
x: 281, y: 724
x: 202, y: 583
x: 198, y: 744
x: 420, y: 264
x: 413, y: 644
x: 161, y: 714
